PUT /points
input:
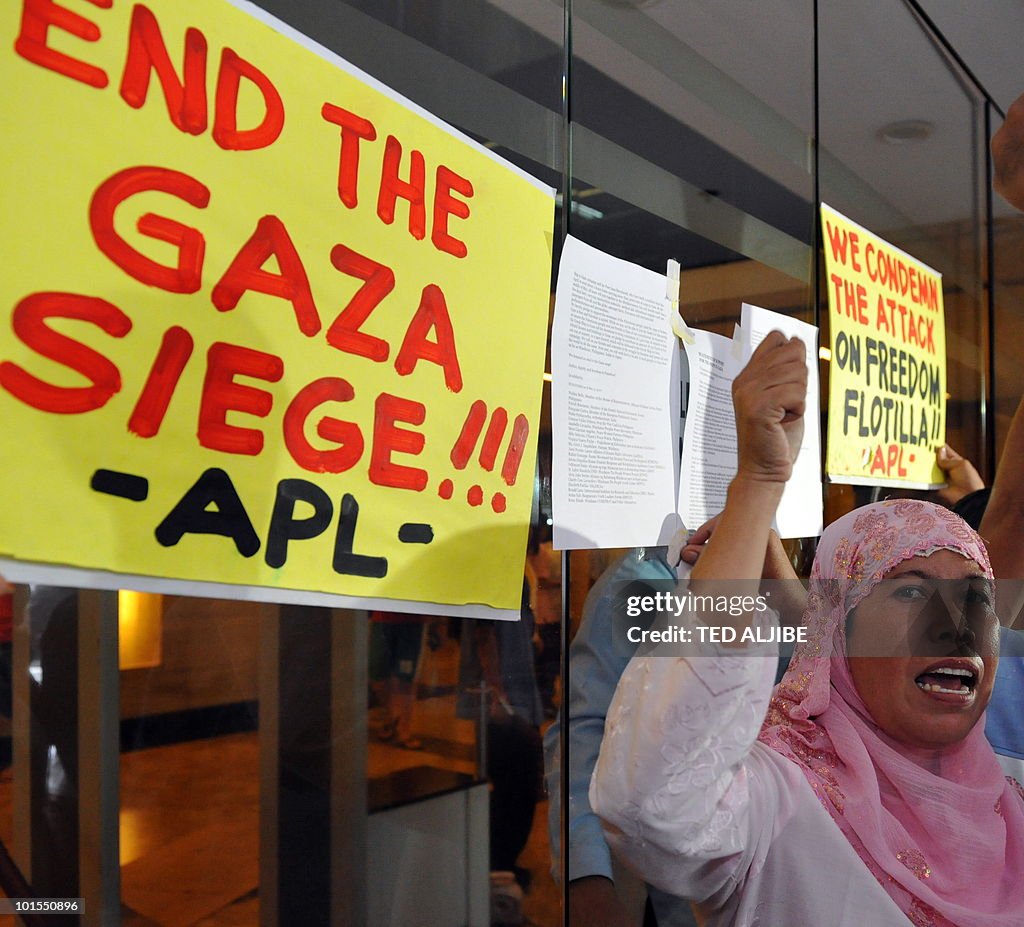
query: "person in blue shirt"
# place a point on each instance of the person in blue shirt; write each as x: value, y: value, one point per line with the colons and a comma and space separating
x: 598, y: 655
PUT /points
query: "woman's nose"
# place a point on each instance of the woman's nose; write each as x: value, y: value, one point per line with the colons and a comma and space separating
x: 951, y: 631
x: 967, y: 637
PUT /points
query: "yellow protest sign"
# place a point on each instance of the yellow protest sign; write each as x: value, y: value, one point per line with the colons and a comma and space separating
x: 887, y: 393
x: 264, y: 322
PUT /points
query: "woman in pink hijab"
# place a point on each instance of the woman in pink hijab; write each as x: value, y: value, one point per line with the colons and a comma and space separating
x: 862, y: 790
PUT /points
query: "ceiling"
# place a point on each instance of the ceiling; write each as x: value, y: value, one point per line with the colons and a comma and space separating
x: 989, y: 38
x: 746, y: 83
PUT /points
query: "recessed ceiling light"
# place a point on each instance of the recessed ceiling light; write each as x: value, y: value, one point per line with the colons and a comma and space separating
x: 906, y: 131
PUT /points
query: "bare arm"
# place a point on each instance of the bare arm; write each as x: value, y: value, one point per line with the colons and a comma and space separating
x: 778, y: 578
x: 776, y: 563
x: 1008, y: 155
x: 1003, y: 525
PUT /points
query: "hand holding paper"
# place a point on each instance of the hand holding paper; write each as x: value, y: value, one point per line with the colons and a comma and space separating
x: 776, y: 563
x: 962, y: 477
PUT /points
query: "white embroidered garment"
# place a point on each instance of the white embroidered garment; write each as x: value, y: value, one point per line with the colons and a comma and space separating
x: 697, y: 807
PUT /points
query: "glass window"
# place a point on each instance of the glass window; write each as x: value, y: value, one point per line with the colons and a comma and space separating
x: 910, y: 166
x: 181, y: 760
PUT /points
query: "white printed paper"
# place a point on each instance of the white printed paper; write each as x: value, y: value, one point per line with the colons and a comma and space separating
x: 800, y: 513
x: 614, y: 404
x: 708, y: 460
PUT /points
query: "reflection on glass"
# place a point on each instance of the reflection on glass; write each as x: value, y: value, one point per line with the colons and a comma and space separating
x: 140, y: 626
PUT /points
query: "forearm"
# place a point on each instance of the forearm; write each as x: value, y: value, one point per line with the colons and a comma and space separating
x: 733, y: 562
x: 786, y: 593
x: 737, y: 548
x: 1003, y: 524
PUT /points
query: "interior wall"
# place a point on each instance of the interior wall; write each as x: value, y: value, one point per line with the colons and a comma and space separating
x: 210, y: 655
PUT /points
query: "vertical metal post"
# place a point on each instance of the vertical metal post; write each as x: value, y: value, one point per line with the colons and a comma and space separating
x: 67, y: 748
x: 563, y: 740
x: 989, y: 458
x: 21, y: 740
x: 313, y: 744
x: 270, y: 735
x: 99, y: 755
x: 51, y: 732
x: 349, y: 748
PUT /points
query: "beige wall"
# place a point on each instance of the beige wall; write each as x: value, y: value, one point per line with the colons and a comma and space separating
x: 210, y: 655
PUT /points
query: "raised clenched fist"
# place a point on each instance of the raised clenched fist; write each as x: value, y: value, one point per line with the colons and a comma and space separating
x: 769, y: 396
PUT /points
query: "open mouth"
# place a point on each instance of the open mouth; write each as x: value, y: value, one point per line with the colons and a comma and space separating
x: 949, y: 679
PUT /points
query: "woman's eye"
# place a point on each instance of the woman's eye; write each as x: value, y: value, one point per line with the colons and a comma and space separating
x: 978, y: 597
x: 911, y: 593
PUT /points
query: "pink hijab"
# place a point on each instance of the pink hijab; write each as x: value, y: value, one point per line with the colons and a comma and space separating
x: 949, y: 846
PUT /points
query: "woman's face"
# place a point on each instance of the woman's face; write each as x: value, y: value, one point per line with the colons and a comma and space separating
x: 923, y: 647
